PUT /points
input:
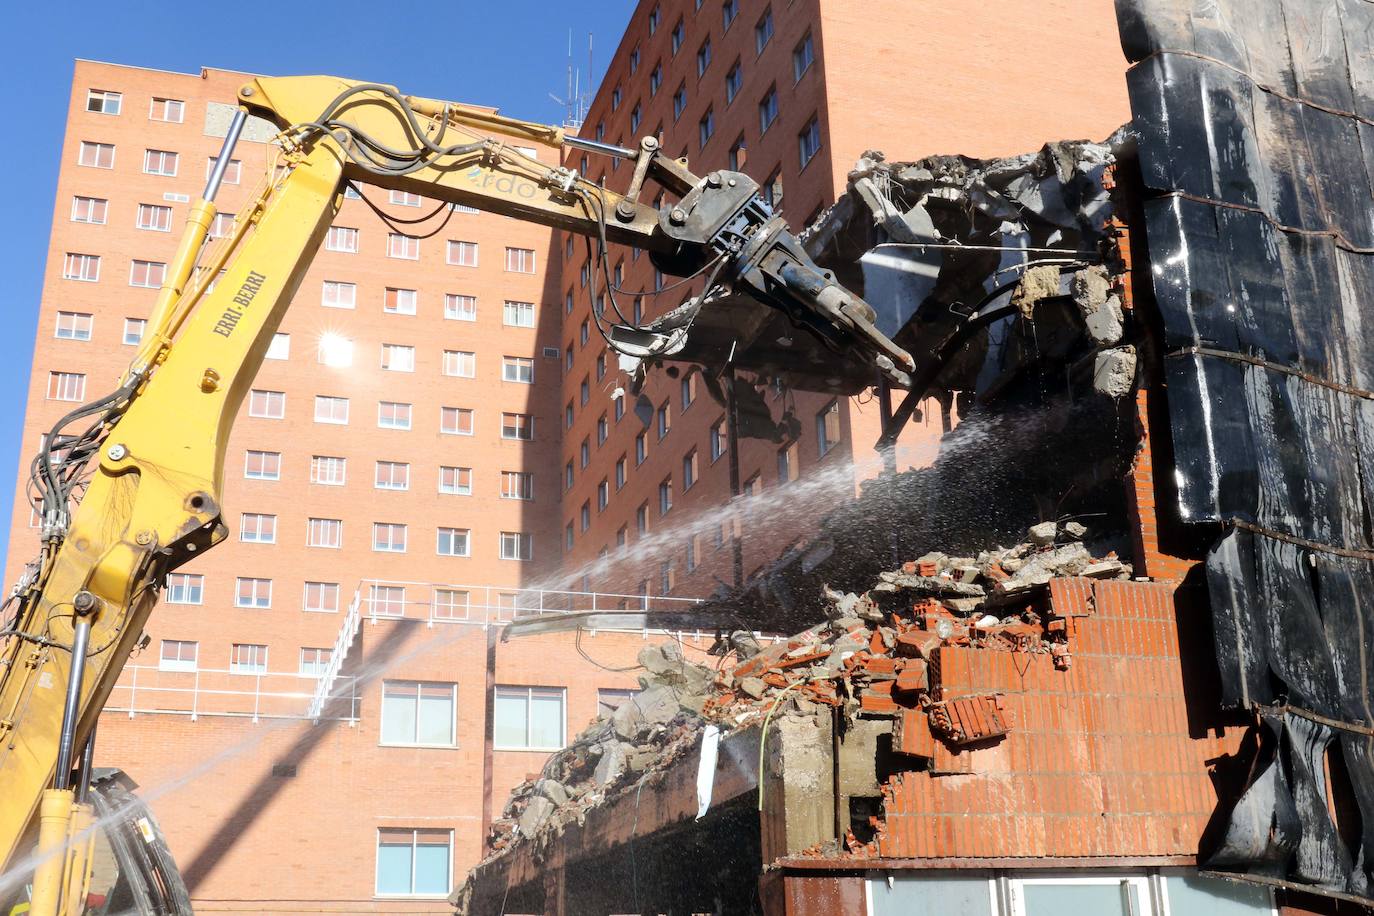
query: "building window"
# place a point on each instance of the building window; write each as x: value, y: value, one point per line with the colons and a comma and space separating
x: 232, y: 172
x: 160, y: 162
x: 789, y: 468
x: 66, y: 386
x: 258, y: 528
x: 729, y: 10
x: 321, y: 597
x: 772, y: 189
x: 178, y: 655
x: 809, y: 141
x: 802, y: 57
x: 341, y: 238
x: 641, y: 448
x: 454, y: 542
x: 603, y: 430
x: 688, y: 387
x: 405, y: 199
x: 636, y: 116
x: 451, y: 604
x: 248, y: 658
x: 96, y: 155
x: 280, y: 347
x: 634, y: 60
x: 568, y: 536
x: 74, y: 325
x: 621, y: 472
x: 406, y: 247
x: 414, y: 863
x: 419, y: 713
x: 259, y: 465
x: 460, y: 363
x: 689, y: 470
x: 270, y: 405
x: 517, y: 314
x: 460, y: 308
x: 720, y: 439
x: 388, y: 538
x: 753, y: 486
x: 91, y: 210
x: 331, y: 409
x: 642, y: 518
x: 653, y: 19
x: 328, y: 470
x: 455, y: 421
x: 676, y: 37
x: 103, y: 102
x: 763, y: 31
x: 619, y: 402
x: 667, y: 577
x: 665, y: 496
x: 153, y: 217
x: 172, y: 111
x: 324, y: 532
x: 679, y: 101
x: 568, y: 476
x: 314, y: 662
x: 222, y: 226
x: 398, y: 301
x: 663, y: 419
x: 706, y: 128
x: 392, y: 475
x: 529, y: 718
x: 253, y: 593
x: 462, y: 254
x: 693, y: 552
x: 517, y: 485
x: 603, y: 495
x: 517, y: 426
x: 339, y: 295
x: 520, y: 260
x: 393, y: 415
x: 184, y: 588
x: 455, y: 481
x: 568, y: 415
x: 734, y: 80
x: 517, y: 545
x: 147, y: 274
x: 703, y: 57
x: 828, y: 428
x: 386, y: 600
x: 398, y: 358
x: 768, y: 109
x: 84, y: 267
x: 133, y: 330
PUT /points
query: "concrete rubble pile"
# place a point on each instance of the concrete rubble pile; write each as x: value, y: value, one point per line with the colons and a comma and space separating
x: 870, y: 658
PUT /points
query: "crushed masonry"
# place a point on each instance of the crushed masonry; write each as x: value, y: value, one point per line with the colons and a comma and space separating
x: 876, y: 657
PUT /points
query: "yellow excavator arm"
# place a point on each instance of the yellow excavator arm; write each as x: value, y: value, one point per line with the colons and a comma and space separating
x: 151, y: 454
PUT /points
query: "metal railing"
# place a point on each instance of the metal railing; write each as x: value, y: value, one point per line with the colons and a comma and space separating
x: 442, y: 603
x: 480, y: 605
x: 236, y: 693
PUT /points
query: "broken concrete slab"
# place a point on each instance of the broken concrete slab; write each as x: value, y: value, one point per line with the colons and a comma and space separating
x: 1114, y: 371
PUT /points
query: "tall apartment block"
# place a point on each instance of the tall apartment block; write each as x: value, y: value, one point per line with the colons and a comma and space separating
x: 791, y: 92
x: 433, y: 444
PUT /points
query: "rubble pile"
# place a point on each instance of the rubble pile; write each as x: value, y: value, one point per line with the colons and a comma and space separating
x: 871, y: 657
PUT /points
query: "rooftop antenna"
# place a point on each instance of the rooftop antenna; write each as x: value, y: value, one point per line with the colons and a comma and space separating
x: 575, y: 101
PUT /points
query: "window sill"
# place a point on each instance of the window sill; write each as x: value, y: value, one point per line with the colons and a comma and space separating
x: 529, y: 750
x: 441, y: 747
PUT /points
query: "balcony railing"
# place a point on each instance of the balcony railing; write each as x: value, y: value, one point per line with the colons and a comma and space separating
x: 236, y: 693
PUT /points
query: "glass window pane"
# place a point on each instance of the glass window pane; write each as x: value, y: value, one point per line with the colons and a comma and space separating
x: 436, y: 715
x: 1194, y: 895
x: 1098, y: 899
x: 431, y: 867
x: 546, y: 718
x: 393, y: 865
x: 508, y: 727
x: 926, y: 895
x: 398, y: 713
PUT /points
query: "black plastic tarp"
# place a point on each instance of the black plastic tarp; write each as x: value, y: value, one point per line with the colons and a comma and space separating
x: 1255, y: 125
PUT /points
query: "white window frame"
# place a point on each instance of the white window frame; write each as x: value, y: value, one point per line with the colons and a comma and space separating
x: 517, y: 314
x: 409, y: 415
x: 524, y: 546
x: 415, y: 833
x: 321, y: 463
x: 264, y: 456
x: 130, y: 324
x: 66, y: 386
x: 391, y: 468
x: 452, y: 310
x: 258, y: 519
x: 74, y: 323
x: 458, y: 488
x: 389, y: 545
x: 162, y: 221
x: 509, y: 690
x: 331, y: 401
x: 81, y: 263
x: 398, y: 358
x: 324, y: 590
x: 458, y: 414
x: 256, y: 602
x: 453, y: 535
x: 91, y: 204
x: 521, y: 260
x: 341, y: 238
x: 161, y: 169
x: 399, y: 246
x: 523, y: 488
x: 460, y: 364
x: 524, y: 420
x: 149, y: 268
x: 514, y: 367
x: 398, y: 300
x: 461, y: 248
x: 253, y: 667
x: 233, y: 171
x: 252, y: 412
x: 324, y: 527
x: 166, y: 110
x: 280, y: 347
x: 336, y: 287
x: 96, y: 149
x: 319, y: 659
x: 419, y: 686
x: 405, y: 199
x: 182, y: 587
x: 104, y: 97
x: 178, y: 664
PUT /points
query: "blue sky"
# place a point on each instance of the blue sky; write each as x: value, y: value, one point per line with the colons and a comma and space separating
x: 512, y: 55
